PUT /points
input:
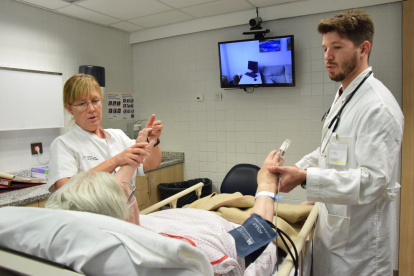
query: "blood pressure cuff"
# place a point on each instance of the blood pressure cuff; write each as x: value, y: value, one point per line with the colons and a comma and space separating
x: 252, y: 238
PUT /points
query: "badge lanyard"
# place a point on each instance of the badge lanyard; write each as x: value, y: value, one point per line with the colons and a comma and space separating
x: 335, y: 120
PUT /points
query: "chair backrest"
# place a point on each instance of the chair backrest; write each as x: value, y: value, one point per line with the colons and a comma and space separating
x: 236, y: 79
x: 241, y: 178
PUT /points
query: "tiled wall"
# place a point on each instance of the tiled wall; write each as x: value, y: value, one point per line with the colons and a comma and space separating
x: 243, y: 127
x: 33, y: 38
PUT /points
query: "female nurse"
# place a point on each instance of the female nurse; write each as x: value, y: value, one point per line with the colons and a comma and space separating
x: 89, y: 147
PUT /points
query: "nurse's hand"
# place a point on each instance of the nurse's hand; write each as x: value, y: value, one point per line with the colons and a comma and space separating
x: 133, y: 156
x: 136, y: 154
x: 290, y: 177
x: 156, y: 128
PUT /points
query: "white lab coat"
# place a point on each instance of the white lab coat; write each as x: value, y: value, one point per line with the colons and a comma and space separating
x: 80, y: 150
x: 355, y: 232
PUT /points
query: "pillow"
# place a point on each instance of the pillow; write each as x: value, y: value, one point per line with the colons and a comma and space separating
x: 79, y: 240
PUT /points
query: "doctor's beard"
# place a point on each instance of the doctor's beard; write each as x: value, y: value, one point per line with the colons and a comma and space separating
x: 347, y: 67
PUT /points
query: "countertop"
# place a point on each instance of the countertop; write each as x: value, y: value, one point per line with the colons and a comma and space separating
x: 28, y: 195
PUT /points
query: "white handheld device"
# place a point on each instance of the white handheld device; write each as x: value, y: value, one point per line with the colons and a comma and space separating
x: 283, y: 148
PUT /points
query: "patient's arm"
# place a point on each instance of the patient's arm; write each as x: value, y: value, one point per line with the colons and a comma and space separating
x: 125, y: 174
x: 266, y: 181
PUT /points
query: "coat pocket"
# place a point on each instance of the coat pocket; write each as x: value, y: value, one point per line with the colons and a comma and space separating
x: 333, y: 231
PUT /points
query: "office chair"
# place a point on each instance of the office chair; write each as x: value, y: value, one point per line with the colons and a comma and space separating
x: 236, y: 79
x: 241, y: 178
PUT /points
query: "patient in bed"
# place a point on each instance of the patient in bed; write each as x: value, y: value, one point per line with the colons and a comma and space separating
x: 107, y: 194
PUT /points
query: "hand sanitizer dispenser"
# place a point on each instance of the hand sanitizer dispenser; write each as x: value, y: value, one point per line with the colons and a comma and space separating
x: 133, y: 129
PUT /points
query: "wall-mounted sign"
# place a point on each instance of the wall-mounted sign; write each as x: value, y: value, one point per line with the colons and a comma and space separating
x: 120, y: 106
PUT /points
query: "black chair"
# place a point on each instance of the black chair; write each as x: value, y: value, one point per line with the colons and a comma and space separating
x: 241, y: 178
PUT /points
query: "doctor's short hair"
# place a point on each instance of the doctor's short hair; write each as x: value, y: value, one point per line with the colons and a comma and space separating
x: 78, y: 86
x: 356, y: 25
x: 93, y: 192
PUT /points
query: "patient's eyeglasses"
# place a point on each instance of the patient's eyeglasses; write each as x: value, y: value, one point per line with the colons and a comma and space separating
x: 131, y: 190
x: 82, y: 106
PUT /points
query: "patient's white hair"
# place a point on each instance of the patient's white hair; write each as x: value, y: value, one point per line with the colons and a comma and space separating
x: 94, y: 192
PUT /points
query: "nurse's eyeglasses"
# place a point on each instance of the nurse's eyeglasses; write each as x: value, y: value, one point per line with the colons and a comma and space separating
x: 82, y: 106
x: 131, y: 190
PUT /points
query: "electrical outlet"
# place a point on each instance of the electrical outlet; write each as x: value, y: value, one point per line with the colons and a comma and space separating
x: 33, y: 148
x: 217, y: 96
x: 200, y: 98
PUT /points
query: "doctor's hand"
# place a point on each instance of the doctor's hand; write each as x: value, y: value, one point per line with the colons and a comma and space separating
x: 290, y: 177
x: 156, y: 128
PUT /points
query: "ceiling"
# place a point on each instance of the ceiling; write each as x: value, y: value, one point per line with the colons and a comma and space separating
x: 135, y: 15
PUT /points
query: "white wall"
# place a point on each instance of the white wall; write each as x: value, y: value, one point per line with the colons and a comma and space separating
x: 33, y: 38
x: 169, y: 73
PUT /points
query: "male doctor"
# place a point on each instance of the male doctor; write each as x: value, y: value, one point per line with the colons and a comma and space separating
x: 353, y: 173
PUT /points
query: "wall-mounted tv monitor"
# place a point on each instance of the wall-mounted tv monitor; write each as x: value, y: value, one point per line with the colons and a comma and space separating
x: 268, y: 62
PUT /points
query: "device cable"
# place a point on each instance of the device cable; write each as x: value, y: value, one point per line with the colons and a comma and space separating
x: 282, y: 236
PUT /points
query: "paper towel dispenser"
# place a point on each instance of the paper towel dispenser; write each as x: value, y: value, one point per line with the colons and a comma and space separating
x: 97, y: 71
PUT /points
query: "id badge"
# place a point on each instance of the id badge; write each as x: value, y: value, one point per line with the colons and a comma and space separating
x: 252, y: 235
x: 338, y: 154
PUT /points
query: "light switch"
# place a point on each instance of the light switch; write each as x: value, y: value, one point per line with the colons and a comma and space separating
x: 217, y: 96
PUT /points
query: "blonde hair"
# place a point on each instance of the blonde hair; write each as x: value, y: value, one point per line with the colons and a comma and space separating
x: 94, y: 192
x: 79, y: 86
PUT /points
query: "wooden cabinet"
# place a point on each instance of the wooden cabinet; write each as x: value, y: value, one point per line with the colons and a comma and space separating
x: 147, y: 186
x: 37, y: 203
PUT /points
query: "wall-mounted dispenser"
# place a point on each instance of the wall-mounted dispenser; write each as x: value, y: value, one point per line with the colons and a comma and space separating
x: 133, y: 129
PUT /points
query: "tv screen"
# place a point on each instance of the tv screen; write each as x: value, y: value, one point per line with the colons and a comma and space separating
x: 268, y: 62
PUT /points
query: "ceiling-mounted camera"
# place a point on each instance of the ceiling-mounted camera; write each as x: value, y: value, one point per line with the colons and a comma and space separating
x: 255, y: 22
x: 256, y: 28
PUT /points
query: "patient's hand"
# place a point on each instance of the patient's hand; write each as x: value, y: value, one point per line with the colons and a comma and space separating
x: 143, y: 138
x: 156, y: 127
x: 267, y: 181
x: 265, y: 177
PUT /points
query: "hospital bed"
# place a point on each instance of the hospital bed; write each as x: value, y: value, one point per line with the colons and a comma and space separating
x: 16, y: 263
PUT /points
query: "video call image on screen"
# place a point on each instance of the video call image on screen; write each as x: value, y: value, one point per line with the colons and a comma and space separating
x: 267, y: 62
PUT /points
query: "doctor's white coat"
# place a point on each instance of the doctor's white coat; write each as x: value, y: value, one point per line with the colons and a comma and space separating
x: 355, y: 232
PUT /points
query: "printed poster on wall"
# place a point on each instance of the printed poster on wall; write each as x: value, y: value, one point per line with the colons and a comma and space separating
x: 120, y: 106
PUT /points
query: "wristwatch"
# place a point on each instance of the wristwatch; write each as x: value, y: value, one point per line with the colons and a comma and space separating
x: 156, y: 144
x: 303, y: 184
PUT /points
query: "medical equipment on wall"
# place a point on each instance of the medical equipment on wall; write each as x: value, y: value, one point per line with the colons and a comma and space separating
x: 133, y: 129
x: 335, y: 120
